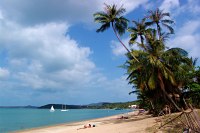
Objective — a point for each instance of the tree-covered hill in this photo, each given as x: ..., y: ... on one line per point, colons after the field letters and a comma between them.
x: 101, y: 105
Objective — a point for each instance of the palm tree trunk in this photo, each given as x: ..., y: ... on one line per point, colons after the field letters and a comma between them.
x: 123, y: 43
x: 162, y: 86
x: 185, y: 103
x: 152, y: 104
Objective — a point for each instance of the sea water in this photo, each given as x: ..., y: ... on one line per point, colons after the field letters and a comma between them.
x: 12, y: 119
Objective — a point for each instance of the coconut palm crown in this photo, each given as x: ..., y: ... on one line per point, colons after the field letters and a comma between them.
x: 157, y: 17
x: 112, y: 16
x: 139, y: 30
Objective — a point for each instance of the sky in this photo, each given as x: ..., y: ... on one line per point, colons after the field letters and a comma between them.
x: 50, y: 51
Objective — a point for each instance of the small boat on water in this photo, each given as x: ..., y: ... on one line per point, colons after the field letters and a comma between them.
x: 63, y: 109
x: 52, y: 109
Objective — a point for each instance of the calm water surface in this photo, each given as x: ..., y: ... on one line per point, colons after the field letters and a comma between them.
x: 18, y: 119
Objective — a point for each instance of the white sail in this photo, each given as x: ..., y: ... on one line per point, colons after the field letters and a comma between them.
x: 52, y: 109
x: 63, y: 109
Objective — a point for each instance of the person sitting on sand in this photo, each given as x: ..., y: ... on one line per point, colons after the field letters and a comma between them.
x: 123, y: 117
x: 141, y: 111
x: 85, y: 126
x: 167, y: 110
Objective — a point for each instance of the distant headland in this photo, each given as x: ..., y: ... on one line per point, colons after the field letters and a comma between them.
x: 100, y: 105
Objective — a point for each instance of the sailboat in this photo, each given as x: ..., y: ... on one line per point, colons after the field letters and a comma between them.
x: 52, y: 109
x: 64, y: 109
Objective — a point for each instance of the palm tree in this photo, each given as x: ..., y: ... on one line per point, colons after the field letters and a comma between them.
x: 138, y: 78
x: 138, y: 31
x: 158, y: 17
x: 113, y: 17
x: 152, y: 72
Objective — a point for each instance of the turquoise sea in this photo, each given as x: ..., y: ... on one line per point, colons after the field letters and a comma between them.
x: 12, y: 119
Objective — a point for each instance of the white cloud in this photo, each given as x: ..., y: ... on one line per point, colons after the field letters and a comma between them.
x: 42, y: 55
x: 120, y: 84
x: 41, y: 59
x: 1, y: 15
x: 118, y: 49
x: 194, y: 6
x: 188, y: 38
x: 37, y: 11
x: 4, y: 73
x: 112, y: 90
x: 190, y: 8
x: 129, y: 5
x: 167, y: 5
x: 187, y: 34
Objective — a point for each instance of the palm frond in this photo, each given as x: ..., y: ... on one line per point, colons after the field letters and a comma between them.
x: 132, y: 29
x: 194, y: 61
x: 132, y: 92
x: 135, y: 22
x: 149, y: 23
x: 119, y: 28
x: 120, y: 11
x: 166, y: 14
x: 133, y: 38
x: 103, y: 27
x: 169, y: 28
x: 151, y: 81
x: 176, y: 51
x: 167, y: 21
x: 143, y: 21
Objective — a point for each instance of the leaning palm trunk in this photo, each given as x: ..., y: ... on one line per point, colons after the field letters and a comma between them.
x: 185, y: 103
x: 165, y: 93
x: 123, y: 43
x: 151, y: 103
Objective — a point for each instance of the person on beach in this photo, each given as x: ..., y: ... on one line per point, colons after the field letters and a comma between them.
x: 86, y: 126
x: 167, y: 110
x: 141, y: 111
x: 123, y: 117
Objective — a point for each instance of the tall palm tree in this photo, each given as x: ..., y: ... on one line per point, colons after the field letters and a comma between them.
x: 159, y: 71
x: 162, y: 71
x: 138, y: 74
x: 113, y: 17
x: 152, y: 72
x: 157, y: 17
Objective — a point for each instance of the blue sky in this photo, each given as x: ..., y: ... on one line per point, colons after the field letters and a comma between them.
x: 50, y: 52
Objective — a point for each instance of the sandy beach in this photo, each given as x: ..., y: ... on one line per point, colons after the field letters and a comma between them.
x: 134, y: 124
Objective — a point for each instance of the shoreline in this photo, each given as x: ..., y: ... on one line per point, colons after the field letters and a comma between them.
x: 66, y: 124
x: 111, y: 124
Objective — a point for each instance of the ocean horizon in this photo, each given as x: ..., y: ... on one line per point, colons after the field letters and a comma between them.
x: 14, y: 119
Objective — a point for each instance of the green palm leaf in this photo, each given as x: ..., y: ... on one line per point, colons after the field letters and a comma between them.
x: 151, y: 82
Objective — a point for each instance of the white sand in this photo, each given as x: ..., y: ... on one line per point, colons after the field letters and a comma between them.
x: 134, y: 124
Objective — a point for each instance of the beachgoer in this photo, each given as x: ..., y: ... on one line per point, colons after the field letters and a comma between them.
x: 89, y: 126
x: 167, y: 109
x: 141, y: 111
x: 86, y: 126
x: 186, y: 130
x: 123, y: 117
